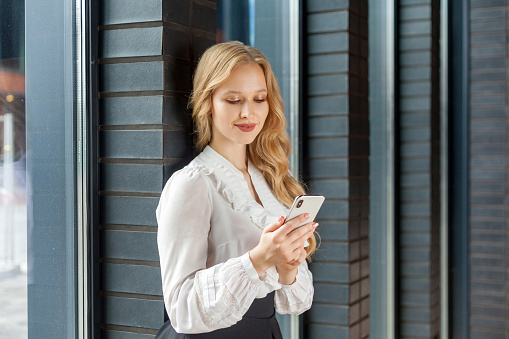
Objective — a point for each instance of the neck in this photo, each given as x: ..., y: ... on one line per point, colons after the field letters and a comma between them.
x: 236, y: 154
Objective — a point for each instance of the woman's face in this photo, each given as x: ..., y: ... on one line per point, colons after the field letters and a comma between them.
x: 239, y: 107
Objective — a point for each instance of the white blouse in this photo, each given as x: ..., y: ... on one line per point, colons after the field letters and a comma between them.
x: 208, y: 221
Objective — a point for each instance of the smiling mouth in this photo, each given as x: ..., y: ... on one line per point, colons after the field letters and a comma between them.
x: 246, y: 127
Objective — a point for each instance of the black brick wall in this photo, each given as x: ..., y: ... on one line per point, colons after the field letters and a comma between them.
x: 148, y: 51
x: 489, y: 169
x: 418, y: 118
x: 337, y: 125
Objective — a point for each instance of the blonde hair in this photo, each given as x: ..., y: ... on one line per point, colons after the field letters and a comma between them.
x: 270, y: 150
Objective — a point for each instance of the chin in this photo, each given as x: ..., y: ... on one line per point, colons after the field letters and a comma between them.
x: 246, y: 142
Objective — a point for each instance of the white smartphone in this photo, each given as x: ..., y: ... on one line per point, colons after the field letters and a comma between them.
x: 305, y: 204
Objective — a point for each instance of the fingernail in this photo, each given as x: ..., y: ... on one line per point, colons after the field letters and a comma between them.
x: 315, y: 225
x: 306, y: 215
x: 281, y: 219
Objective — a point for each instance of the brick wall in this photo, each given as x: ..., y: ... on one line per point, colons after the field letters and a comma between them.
x: 418, y: 118
x: 337, y: 150
x: 148, y: 51
x: 489, y: 169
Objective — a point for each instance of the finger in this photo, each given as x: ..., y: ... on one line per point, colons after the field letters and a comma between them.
x: 274, y: 226
x: 301, y: 256
x: 290, y: 225
x: 301, y: 234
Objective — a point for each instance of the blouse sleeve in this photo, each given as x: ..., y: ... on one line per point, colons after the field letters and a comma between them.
x: 198, y: 299
x: 297, y: 297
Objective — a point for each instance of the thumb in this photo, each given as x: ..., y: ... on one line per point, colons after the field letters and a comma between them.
x: 274, y: 226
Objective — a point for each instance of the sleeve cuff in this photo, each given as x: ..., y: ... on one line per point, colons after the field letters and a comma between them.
x: 250, y: 270
x: 298, y: 278
x: 270, y: 276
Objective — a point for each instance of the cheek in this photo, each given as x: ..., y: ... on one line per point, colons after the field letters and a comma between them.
x: 264, y: 112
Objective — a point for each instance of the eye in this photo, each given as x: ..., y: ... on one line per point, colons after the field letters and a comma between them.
x: 230, y: 101
x: 260, y: 100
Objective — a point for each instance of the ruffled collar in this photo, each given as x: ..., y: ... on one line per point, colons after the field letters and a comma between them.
x: 231, y: 185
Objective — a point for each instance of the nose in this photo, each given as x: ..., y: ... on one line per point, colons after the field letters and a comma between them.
x: 246, y: 110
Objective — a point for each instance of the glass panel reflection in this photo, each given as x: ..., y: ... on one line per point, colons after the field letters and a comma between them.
x: 13, y: 207
x: 38, y: 275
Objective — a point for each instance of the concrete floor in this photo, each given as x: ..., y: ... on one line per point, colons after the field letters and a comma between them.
x: 13, y: 309
x: 13, y: 283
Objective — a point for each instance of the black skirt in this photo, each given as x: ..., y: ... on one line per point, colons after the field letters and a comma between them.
x: 259, y: 322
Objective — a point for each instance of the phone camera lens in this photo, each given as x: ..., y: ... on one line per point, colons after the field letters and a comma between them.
x: 299, y: 204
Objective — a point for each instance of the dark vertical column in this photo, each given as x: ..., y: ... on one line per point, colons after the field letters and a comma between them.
x: 148, y: 52
x: 419, y: 169
x: 458, y: 126
x: 488, y: 129
x: 337, y: 129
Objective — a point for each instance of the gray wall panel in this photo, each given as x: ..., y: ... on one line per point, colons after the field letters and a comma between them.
x: 135, y: 279
x: 129, y: 210
x: 118, y: 43
x: 133, y: 312
x: 126, y: 245
x: 132, y: 177
x: 130, y: 11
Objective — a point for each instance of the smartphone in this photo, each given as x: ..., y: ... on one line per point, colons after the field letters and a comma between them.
x: 305, y: 204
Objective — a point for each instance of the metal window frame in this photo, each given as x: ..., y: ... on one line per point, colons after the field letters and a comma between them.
x: 444, y: 168
x: 93, y: 315
x: 294, y: 21
x: 82, y: 225
x: 382, y: 238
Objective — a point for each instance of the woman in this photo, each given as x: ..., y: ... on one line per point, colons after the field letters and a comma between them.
x: 226, y: 256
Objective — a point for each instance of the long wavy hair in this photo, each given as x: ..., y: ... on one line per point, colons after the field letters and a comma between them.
x: 270, y: 150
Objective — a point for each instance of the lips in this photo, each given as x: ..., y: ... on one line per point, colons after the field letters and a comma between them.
x: 246, y: 127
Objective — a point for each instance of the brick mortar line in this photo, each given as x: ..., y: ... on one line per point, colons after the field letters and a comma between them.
x: 130, y: 25
x: 339, y: 137
x: 206, y: 3
x: 314, y: 322
x: 335, y: 95
x: 138, y: 161
x: 129, y: 194
x: 311, y: 115
x: 149, y: 93
x: 360, y: 56
x: 131, y: 295
x: 145, y: 59
x: 336, y: 10
x: 485, y: 20
x: 129, y: 329
x: 483, y: 58
x: 128, y: 228
x: 133, y: 262
x: 158, y: 23
x: 488, y: 256
x: 144, y: 127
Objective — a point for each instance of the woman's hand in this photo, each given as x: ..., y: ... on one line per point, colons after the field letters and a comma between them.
x: 282, y: 246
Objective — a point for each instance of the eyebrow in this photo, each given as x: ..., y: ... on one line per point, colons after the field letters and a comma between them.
x: 238, y: 92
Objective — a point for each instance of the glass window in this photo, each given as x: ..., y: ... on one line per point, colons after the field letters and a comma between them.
x: 13, y: 203
x: 39, y: 166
